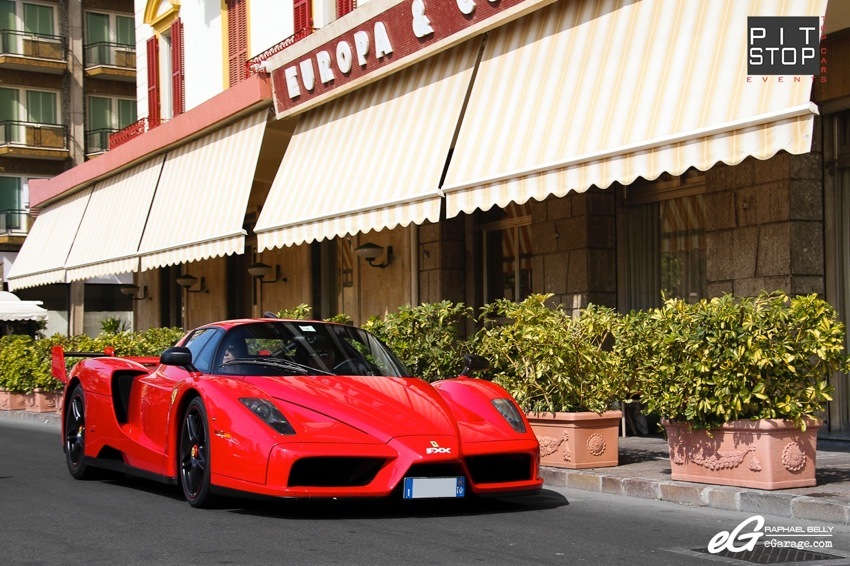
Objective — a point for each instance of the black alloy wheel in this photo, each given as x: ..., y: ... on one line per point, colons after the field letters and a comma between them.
x: 75, y: 435
x: 195, y: 455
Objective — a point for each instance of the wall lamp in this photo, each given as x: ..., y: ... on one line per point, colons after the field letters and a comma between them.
x: 259, y: 271
x: 133, y: 290
x: 370, y: 252
x: 186, y: 281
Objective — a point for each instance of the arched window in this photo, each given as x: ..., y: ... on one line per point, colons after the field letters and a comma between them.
x: 165, y: 62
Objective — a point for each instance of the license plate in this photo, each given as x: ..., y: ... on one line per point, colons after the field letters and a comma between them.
x: 425, y: 488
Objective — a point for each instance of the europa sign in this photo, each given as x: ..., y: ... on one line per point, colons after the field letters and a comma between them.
x: 382, y: 43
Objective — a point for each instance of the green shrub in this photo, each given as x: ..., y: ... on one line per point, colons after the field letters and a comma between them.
x: 426, y: 338
x: 733, y: 358
x: 301, y: 312
x: 550, y: 361
x: 25, y: 363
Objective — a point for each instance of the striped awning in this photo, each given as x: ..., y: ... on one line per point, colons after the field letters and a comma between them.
x: 591, y: 92
x: 41, y: 260
x: 108, y: 239
x: 371, y: 159
x: 203, y: 191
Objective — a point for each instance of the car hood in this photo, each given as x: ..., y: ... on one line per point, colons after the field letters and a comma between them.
x: 383, y: 407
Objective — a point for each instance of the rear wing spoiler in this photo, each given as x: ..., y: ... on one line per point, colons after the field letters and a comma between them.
x: 60, y: 370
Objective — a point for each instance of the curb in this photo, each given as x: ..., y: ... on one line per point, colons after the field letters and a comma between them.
x: 699, y: 495
x: 51, y: 418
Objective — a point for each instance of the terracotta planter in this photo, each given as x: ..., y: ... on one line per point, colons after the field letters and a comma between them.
x: 40, y: 401
x: 763, y: 454
x: 12, y: 401
x: 577, y: 440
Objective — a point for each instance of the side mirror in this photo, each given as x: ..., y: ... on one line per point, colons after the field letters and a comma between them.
x: 473, y: 363
x: 179, y: 356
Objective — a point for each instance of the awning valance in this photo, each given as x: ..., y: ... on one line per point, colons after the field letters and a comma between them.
x: 109, y: 235
x: 202, y: 195
x: 41, y: 260
x: 371, y: 159
x: 590, y: 92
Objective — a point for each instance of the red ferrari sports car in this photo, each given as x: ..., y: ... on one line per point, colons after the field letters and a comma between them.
x: 293, y: 408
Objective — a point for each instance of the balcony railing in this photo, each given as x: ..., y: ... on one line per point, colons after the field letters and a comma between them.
x: 97, y: 141
x: 14, y: 222
x: 33, y: 45
x: 33, y: 135
x: 124, y: 135
x: 252, y: 65
x: 110, y: 55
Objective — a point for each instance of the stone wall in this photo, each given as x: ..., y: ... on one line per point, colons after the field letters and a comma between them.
x: 764, y: 225
x: 574, y: 245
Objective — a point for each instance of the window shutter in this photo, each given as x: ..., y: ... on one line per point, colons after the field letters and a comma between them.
x: 178, y: 87
x: 153, y: 81
x: 237, y: 40
x: 303, y: 15
x: 344, y: 6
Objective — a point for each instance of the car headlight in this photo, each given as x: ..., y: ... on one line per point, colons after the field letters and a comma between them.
x: 511, y: 414
x: 269, y: 414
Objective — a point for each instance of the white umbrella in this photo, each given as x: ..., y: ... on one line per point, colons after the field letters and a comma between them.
x: 13, y: 308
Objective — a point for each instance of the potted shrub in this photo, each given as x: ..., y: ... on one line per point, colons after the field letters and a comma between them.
x: 16, y: 371
x: 738, y: 382
x: 561, y: 371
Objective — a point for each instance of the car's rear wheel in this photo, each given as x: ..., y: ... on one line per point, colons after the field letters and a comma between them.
x: 195, y: 455
x: 75, y: 435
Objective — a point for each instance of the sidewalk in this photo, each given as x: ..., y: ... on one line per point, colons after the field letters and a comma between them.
x: 644, y: 471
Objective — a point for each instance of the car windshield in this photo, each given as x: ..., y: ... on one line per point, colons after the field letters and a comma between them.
x: 304, y: 348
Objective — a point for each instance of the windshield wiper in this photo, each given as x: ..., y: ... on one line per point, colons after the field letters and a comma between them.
x: 278, y: 363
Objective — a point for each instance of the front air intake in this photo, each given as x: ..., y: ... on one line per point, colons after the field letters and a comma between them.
x: 334, y: 472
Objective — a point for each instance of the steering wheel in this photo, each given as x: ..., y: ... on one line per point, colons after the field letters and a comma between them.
x: 351, y: 367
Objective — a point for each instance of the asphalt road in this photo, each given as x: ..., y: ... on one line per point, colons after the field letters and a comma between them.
x: 46, y: 517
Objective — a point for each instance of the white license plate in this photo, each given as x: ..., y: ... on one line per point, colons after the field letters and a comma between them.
x: 424, y: 488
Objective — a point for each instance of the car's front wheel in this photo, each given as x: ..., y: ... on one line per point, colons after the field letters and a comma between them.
x: 195, y: 455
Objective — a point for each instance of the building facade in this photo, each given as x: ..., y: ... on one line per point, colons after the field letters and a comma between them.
x: 67, y: 81
x: 405, y: 151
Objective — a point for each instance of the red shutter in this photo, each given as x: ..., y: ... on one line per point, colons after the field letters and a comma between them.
x: 178, y: 88
x: 237, y: 40
x: 303, y: 15
x: 344, y: 6
x: 153, y: 82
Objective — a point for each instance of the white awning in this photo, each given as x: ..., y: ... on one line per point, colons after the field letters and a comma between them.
x: 12, y: 308
x: 108, y: 239
x: 371, y: 159
x: 590, y: 92
x: 200, y: 202
x: 41, y: 260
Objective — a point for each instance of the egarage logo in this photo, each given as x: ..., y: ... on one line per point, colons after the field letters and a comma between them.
x: 782, y: 45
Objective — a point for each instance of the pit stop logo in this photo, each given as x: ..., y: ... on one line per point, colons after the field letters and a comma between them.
x: 783, y: 45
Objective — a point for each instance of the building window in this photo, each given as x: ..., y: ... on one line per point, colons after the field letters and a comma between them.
x: 11, y: 207
x: 237, y: 40
x: 345, y: 6
x: 40, y: 108
x: 104, y: 117
x: 302, y: 15
x: 506, y: 253
x: 38, y: 19
x: 664, y: 240
x: 110, y: 40
x: 165, y: 61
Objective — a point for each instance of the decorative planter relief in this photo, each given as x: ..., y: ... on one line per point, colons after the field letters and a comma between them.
x: 763, y: 454
x: 577, y: 440
x: 12, y: 401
